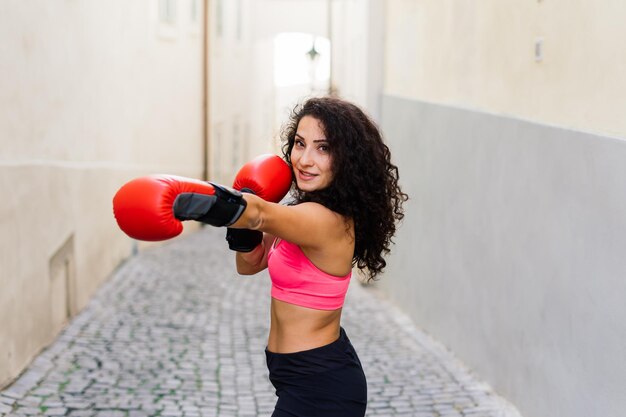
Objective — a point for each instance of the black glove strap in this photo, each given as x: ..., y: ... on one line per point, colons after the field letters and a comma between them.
x: 243, y: 240
x: 222, y: 209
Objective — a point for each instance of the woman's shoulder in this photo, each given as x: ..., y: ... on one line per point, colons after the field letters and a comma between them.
x: 318, y: 209
x: 307, y: 224
x: 337, y: 229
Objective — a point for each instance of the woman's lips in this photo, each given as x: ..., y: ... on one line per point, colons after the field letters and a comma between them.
x: 303, y: 175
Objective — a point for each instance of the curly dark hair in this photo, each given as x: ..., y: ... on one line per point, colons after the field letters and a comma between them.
x: 365, y: 182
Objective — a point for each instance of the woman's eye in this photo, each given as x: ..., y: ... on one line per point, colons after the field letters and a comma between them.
x: 324, y: 148
x: 299, y: 143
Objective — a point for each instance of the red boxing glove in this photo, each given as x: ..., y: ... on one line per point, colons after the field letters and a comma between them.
x: 267, y: 176
x: 152, y: 208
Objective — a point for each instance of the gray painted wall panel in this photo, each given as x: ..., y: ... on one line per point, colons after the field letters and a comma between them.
x: 513, y: 252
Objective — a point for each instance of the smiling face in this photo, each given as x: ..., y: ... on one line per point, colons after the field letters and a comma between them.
x: 310, y: 156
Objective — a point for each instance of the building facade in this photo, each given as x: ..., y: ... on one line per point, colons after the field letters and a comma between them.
x: 506, y: 119
x: 92, y: 94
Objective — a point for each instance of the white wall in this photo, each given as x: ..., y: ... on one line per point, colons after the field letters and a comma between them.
x: 92, y: 94
x: 358, y: 51
x: 242, y: 93
x: 481, y: 55
x: 511, y: 252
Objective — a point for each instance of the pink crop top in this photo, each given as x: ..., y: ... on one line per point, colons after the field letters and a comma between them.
x: 296, y: 280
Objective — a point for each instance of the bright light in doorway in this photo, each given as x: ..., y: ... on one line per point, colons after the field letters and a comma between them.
x: 293, y: 64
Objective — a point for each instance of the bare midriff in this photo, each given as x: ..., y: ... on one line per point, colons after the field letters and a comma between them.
x: 294, y: 328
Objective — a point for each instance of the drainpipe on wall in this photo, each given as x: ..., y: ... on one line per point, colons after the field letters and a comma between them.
x: 329, y: 29
x: 205, y: 91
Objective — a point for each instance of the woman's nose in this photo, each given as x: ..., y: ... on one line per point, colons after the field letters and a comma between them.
x: 305, y: 158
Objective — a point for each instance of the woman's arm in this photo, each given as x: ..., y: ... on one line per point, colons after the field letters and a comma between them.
x: 308, y: 225
x: 249, y: 263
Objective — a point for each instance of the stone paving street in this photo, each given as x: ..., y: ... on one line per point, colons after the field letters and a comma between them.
x: 176, y: 332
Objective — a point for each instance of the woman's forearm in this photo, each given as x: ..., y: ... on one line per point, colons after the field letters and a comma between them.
x: 249, y: 263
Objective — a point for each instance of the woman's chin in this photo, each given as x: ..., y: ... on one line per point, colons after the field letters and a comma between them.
x: 306, y: 187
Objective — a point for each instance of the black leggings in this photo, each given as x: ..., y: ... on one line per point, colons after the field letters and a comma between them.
x: 326, y: 381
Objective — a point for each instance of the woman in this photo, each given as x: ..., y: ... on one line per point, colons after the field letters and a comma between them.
x: 347, y: 203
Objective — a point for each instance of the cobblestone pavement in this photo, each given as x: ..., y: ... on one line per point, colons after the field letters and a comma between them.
x: 176, y: 332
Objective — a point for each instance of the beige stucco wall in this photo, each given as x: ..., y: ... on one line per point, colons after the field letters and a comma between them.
x: 511, y: 251
x: 230, y: 80
x: 358, y: 37
x: 243, y: 98
x: 481, y: 55
x: 92, y: 94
